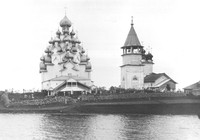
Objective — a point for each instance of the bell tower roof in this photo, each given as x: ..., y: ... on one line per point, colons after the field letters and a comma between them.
x: 132, y: 38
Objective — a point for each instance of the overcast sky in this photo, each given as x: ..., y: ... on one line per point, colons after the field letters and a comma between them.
x: 170, y: 27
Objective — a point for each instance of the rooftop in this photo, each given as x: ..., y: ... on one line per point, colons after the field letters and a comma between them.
x: 132, y: 38
x: 193, y: 86
x: 154, y: 76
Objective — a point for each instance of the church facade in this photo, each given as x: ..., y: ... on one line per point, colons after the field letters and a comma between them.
x: 137, y: 67
x: 65, y: 67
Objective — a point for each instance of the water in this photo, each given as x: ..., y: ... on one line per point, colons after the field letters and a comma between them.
x: 98, y: 127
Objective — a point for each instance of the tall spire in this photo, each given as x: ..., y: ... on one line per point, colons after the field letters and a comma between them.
x: 132, y: 38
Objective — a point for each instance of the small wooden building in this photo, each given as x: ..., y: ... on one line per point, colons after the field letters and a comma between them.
x: 194, y: 88
x: 159, y: 81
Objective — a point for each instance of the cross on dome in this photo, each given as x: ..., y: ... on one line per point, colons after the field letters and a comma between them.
x: 131, y: 20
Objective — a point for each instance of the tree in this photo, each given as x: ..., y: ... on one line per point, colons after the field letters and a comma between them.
x: 168, y: 87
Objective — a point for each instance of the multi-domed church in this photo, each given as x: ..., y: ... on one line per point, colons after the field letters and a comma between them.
x: 65, y: 67
x: 137, y: 67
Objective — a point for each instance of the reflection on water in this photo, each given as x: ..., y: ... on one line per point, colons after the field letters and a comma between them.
x: 98, y: 127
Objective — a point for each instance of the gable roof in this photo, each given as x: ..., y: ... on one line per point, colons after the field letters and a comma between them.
x: 154, y: 76
x: 193, y: 86
x: 132, y: 38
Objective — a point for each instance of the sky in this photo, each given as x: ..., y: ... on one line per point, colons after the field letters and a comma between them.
x: 169, y: 27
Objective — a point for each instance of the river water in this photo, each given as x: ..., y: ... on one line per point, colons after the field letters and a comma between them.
x: 98, y: 127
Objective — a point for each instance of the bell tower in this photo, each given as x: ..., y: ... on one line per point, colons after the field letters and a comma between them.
x: 132, y: 69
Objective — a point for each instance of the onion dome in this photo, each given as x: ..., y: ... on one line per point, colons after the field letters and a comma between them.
x: 59, y: 49
x: 73, y: 40
x: 58, y: 32
x: 43, y: 66
x: 74, y: 49
x: 81, y: 48
x: 78, y: 41
x: 87, y: 57
x: 82, y: 51
x: 67, y: 38
x: 66, y: 47
x: 51, y: 41
x: 143, y: 56
x: 149, y: 56
x: 88, y: 65
x: 65, y: 22
x: 47, y: 59
x: 42, y: 58
x: 72, y: 33
x: 47, y: 50
x: 83, y: 58
x: 68, y: 56
x: 56, y: 39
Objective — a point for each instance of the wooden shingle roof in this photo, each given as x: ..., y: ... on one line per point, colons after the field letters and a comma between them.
x: 154, y: 76
x: 132, y: 38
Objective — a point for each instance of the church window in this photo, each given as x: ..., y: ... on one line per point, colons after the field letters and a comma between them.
x: 123, y: 79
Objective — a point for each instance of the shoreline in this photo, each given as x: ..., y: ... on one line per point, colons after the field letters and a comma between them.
x: 159, y: 107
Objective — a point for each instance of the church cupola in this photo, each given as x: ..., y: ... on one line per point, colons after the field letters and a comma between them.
x: 74, y: 49
x: 47, y: 59
x: 58, y: 32
x: 77, y: 40
x: 87, y: 57
x: 43, y: 67
x: 65, y: 22
x: 149, y: 57
x: 59, y: 49
x: 72, y: 33
x: 83, y: 58
x: 82, y: 50
x: 48, y: 51
x: 42, y: 58
x: 67, y: 38
x: 88, y: 66
x: 51, y: 41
